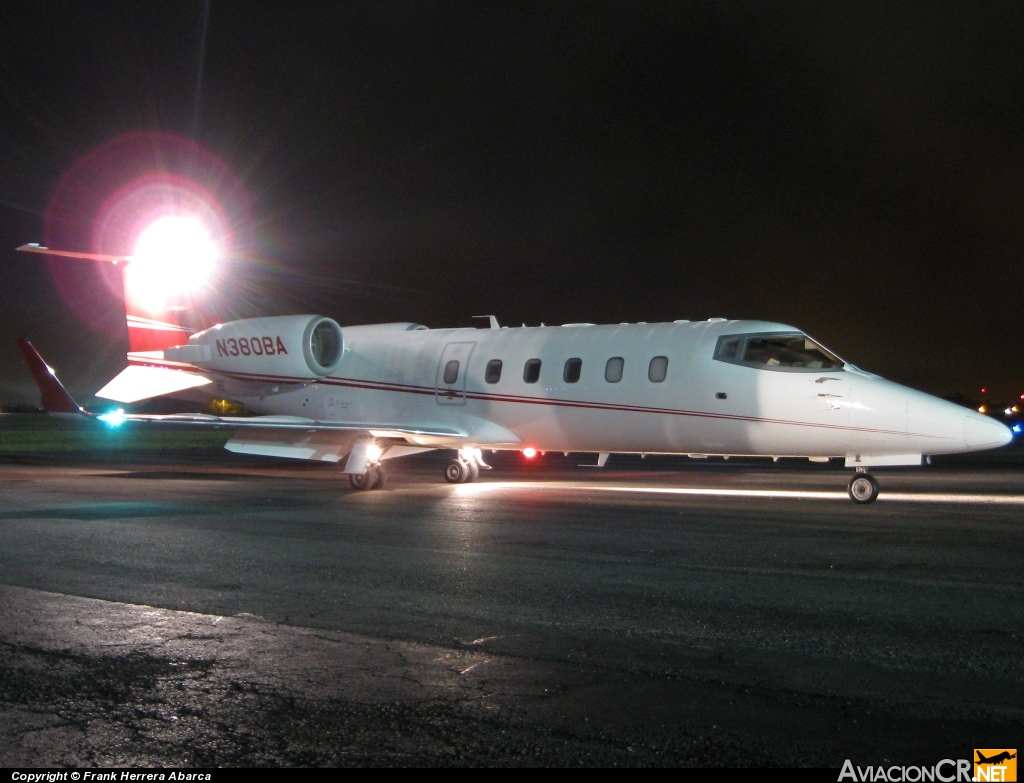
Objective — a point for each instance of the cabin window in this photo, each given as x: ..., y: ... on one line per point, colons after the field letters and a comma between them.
x: 657, y: 369
x: 493, y: 372
x: 571, y: 371
x: 451, y: 372
x: 531, y: 370
x: 613, y: 369
x: 785, y: 352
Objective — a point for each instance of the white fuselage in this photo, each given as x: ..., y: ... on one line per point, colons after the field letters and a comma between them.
x: 703, y: 406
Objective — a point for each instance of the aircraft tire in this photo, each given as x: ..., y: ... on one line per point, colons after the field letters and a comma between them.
x: 474, y: 472
x: 379, y: 476
x: 456, y: 472
x: 361, y: 481
x: 863, y: 488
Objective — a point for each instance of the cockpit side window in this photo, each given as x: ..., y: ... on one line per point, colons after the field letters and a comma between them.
x: 785, y: 352
x: 727, y: 348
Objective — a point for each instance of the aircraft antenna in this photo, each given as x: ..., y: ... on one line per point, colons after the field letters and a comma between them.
x: 493, y: 319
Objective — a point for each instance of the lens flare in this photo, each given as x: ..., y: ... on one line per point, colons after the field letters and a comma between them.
x: 174, y: 255
x: 153, y: 194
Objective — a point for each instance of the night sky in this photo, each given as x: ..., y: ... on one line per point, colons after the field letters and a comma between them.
x: 853, y: 169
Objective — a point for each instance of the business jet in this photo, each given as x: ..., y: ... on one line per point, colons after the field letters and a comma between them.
x: 362, y: 395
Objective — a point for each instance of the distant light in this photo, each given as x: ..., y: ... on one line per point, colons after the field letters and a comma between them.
x: 1008, y: 412
x: 982, y: 409
x: 984, y: 390
x: 1017, y: 429
x: 1015, y: 409
x: 529, y: 453
x: 114, y: 418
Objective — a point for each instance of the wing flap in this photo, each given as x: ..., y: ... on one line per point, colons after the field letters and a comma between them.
x: 318, y: 445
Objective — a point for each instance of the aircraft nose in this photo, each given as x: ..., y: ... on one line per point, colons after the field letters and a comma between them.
x: 981, y: 432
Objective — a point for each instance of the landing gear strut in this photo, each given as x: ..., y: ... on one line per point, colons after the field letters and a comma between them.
x: 863, y: 488
x: 373, y: 478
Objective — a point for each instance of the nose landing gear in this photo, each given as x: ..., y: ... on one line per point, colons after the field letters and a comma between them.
x: 863, y: 488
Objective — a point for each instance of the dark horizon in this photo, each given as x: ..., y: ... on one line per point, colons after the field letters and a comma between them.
x: 855, y: 171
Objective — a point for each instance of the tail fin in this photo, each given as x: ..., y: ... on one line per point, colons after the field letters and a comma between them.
x: 56, y: 400
x: 149, y: 334
x: 147, y: 330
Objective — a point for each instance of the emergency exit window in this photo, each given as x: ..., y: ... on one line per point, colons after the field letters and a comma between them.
x: 451, y: 371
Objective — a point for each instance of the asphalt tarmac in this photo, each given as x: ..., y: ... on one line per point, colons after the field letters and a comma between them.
x: 238, y: 611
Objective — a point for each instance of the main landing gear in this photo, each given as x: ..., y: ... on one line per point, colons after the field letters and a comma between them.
x: 863, y: 488
x: 459, y: 472
x: 465, y: 469
x: 373, y: 478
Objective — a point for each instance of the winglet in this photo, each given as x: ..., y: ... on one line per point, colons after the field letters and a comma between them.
x: 56, y: 400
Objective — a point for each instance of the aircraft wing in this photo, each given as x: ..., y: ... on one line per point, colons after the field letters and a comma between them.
x: 295, y: 423
x: 57, y: 401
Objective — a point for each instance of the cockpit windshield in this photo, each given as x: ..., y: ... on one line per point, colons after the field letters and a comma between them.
x: 786, y: 352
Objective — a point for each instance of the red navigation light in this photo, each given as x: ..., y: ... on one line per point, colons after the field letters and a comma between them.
x: 984, y: 390
x: 529, y: 453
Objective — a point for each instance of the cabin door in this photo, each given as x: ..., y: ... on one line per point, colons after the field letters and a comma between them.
x: 451, y: 373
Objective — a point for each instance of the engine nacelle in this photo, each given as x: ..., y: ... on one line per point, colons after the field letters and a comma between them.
x: 284, y: 347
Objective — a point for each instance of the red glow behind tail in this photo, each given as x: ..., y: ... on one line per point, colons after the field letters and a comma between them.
x: 147, y: 334
x: 150, y: 328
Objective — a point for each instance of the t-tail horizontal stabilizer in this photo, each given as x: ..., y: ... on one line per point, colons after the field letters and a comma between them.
x: 138, y: 382
x: 56, y: 400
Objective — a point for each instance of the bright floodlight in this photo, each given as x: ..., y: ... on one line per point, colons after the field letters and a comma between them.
x: 173, y: 255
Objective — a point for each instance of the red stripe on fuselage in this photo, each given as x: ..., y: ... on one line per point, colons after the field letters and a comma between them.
x: 401, y: 388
